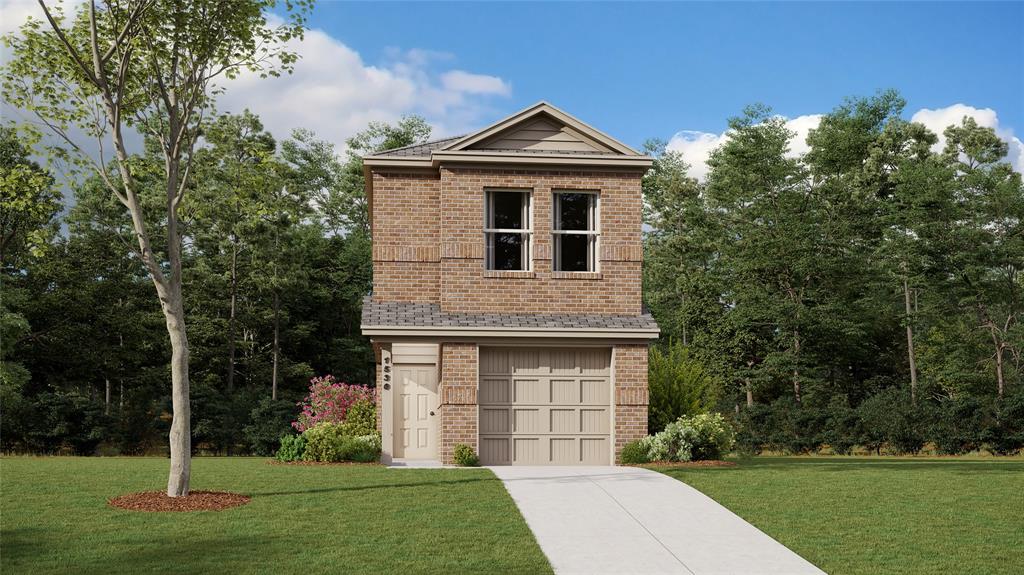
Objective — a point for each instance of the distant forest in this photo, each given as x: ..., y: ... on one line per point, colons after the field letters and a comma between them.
x: 876, y: 267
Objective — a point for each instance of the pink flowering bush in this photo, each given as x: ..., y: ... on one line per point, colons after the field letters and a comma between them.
x: 329, y: 401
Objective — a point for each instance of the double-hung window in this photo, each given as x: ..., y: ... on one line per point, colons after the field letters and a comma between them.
x: 575, y: 231
x: 507, y: 230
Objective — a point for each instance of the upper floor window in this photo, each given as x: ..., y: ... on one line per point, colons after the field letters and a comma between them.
x: 507, y: 230
x: 575, y: 231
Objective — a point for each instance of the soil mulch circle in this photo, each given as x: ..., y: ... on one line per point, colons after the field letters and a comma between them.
x: 194, y: 501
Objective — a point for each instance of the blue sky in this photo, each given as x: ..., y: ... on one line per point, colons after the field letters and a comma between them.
x: 651, y: 69
x: 676, y: 71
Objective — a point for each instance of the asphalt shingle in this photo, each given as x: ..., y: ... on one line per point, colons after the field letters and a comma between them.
x: 402, y: 314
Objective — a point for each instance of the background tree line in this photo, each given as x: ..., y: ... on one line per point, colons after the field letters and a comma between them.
x: 276, y: 261
x: 870, y: 273
x: 865, y: 293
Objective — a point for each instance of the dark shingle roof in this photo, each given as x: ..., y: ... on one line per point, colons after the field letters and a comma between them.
x: 401, y: 314
x: 418, y: 150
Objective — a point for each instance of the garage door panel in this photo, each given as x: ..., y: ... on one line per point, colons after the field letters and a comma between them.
x: 526, y: 450
x: 564, y: 450
x: 528, y: 391
x: 527, y: 421
x: 594, y: 391
x: 495, y: 451
x: 565, y: 391
x: 494, y: 390
x: 494, y: 420
x: 549, y: 406
x: 564, y: 421
x: 594, y: 450
x: 524, y: 361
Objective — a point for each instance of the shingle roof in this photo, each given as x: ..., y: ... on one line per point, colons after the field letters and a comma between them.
x: 419, y: 150
x: 401, y: 314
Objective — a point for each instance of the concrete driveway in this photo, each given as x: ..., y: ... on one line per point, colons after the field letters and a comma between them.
x: 592, y: 520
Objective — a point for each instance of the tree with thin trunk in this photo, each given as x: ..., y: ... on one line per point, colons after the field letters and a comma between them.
x: 142, y: 65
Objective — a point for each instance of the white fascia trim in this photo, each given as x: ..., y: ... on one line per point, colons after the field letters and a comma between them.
x: 581, y: 332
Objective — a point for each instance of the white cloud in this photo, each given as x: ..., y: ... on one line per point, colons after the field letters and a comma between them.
x: 335, y: 93
x: 696, y: 147
x: 939, y: 119
x: 460, y: 81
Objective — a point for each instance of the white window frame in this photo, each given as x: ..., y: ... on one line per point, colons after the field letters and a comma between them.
x: 526, y: 232
x: 594, y: 231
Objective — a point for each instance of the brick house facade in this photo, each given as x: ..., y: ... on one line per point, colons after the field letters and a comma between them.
x: 506, y: 308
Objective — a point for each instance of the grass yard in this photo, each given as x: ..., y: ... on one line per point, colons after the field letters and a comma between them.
x: 859, y: 515
x: 54, y: 518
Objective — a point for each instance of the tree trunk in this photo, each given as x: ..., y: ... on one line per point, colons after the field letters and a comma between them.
x: 106, y: 405
x: 910, y: 342
x: 750, y: 393
x: 277, y: 331
x: 231, y: 318
x: 180, y: 436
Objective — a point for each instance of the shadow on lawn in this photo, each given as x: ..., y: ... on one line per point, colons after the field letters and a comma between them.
x: 375, y: 486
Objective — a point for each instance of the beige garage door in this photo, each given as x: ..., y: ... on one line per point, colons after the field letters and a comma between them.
x: 545, y: 406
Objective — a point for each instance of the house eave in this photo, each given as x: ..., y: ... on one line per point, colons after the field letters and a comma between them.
x: 508, y: 332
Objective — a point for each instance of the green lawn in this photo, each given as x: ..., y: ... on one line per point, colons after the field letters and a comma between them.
x: 853, y: 515
x: 54, y: 518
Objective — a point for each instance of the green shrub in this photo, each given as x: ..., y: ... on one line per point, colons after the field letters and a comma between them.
x: 361, y: 418
x: 330, y: 442
x: 958, y: 426
x: 464, y: 456
x: 270, y: 420
x: 754, y: 425
x: 711, y: 436
x: 842, y: 426
x: 292, y: 448
x: 362, y: 448
x: 679, y: 385
x: 889, y: 418
x: 634, y: 453
x: 1004, y: 433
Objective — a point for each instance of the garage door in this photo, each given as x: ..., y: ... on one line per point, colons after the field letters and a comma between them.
x: 545, y: 406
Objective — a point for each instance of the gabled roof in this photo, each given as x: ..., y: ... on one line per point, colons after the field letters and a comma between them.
x: 540, y: 134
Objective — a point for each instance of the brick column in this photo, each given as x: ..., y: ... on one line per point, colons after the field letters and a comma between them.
x: 458, y: 397
x: 631, y: 397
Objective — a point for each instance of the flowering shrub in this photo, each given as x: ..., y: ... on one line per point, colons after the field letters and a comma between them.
x: 693, y: 438
x: 329, y: 401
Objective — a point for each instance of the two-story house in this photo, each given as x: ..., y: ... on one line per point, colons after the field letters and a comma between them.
x: 506, y: 308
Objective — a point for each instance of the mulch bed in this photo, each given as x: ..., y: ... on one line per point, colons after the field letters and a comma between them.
x: 360, y: 463
x: 194, y: 501
x: 684, y: 464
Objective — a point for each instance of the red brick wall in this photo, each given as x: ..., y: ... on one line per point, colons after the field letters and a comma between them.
x: 630, y: 374
x: 429, y: 244
x: 406, y: 229
x: 458, y: 397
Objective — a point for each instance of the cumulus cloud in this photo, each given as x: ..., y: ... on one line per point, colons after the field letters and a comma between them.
x: 334, y: 92
x: 939, y: 119
x: 696, y: 147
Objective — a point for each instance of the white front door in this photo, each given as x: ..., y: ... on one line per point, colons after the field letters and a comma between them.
x: 416, y: 419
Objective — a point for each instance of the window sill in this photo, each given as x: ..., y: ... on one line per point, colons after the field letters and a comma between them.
x: 576, y: 275
x: 509, y: 274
